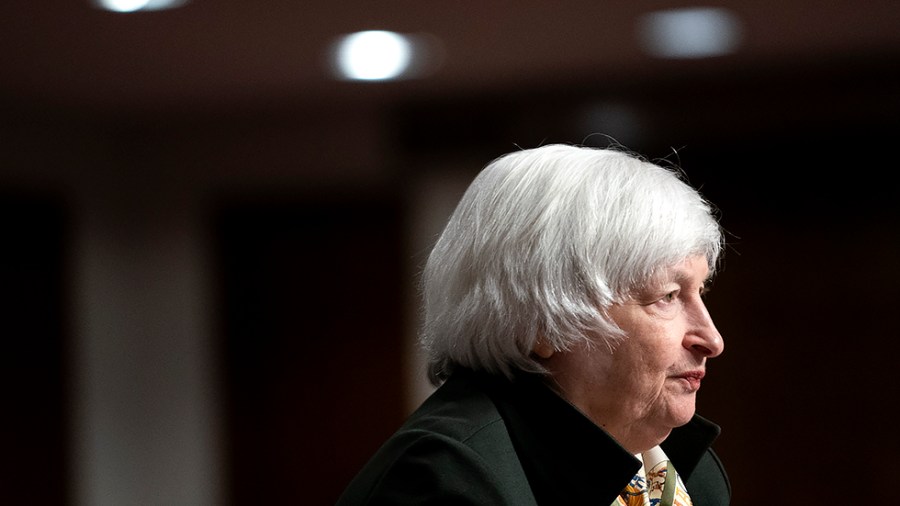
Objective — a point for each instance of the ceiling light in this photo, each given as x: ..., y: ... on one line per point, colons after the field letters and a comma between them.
x: 697, y: 32
x: 374, y: 55
x: 138, y: 5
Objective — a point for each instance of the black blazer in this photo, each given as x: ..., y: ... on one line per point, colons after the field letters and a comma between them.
x: 481, y: 439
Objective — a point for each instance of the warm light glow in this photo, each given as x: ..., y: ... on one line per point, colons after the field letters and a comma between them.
x: 373, y: 55
x: 698, y: 32
x: 137, y: 5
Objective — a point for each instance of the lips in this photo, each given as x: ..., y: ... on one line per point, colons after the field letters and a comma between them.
x: 692, y: 378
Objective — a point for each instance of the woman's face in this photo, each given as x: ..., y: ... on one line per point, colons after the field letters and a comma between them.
x: 648, y: 385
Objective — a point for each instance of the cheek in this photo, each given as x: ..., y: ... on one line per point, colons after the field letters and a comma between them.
x: 650, y: 350
x: 659, y: 352
x: 636, y: 366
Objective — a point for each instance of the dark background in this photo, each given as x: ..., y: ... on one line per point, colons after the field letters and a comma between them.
x: 216, y: 126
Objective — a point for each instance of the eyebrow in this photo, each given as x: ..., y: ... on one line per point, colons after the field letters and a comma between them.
x: 682, y: 276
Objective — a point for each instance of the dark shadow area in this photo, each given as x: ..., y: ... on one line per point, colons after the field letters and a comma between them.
x: 34, y: 425
x: 313, y: 325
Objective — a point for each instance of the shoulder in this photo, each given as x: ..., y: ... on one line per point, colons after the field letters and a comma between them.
x: 709, y: 485
x: 419, y: 467
x: 455, y: 449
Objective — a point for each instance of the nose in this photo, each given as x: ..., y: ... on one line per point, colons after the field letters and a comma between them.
x: 702, y: 335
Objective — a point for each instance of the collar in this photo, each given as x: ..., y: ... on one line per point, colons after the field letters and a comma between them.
x: 567, y: 458
x: 687, y: 444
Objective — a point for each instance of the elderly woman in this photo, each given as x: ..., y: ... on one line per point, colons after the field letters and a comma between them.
x: 566, y: 329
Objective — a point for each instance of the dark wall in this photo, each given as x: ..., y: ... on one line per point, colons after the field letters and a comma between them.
x: 804, y: 300
x: 313, y: 326
x: 33, y: 427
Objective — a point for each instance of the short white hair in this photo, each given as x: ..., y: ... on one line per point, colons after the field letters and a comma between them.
x: 542, y: 242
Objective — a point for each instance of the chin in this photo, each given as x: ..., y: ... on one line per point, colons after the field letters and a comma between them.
x: 679, y: 421
x: 681, y: 415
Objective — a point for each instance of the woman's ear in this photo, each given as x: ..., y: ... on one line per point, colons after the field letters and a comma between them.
x: 543, y: 349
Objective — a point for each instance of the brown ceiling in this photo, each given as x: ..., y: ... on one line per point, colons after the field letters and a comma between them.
x: 218, y: 52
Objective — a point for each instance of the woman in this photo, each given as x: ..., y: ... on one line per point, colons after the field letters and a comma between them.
x: 565, y: 326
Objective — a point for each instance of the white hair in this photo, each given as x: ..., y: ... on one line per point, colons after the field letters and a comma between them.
x: 542, y: 242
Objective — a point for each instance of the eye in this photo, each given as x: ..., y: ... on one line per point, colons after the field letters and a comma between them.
x: 669, y: 298
x: 664, y: 302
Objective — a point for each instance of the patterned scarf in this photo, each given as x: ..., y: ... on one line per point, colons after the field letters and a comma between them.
x: 661, y: 486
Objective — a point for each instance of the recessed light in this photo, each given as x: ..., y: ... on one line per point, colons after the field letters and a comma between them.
x: 373, y: 55
x: 138, y: 5
x: 696, y: 32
